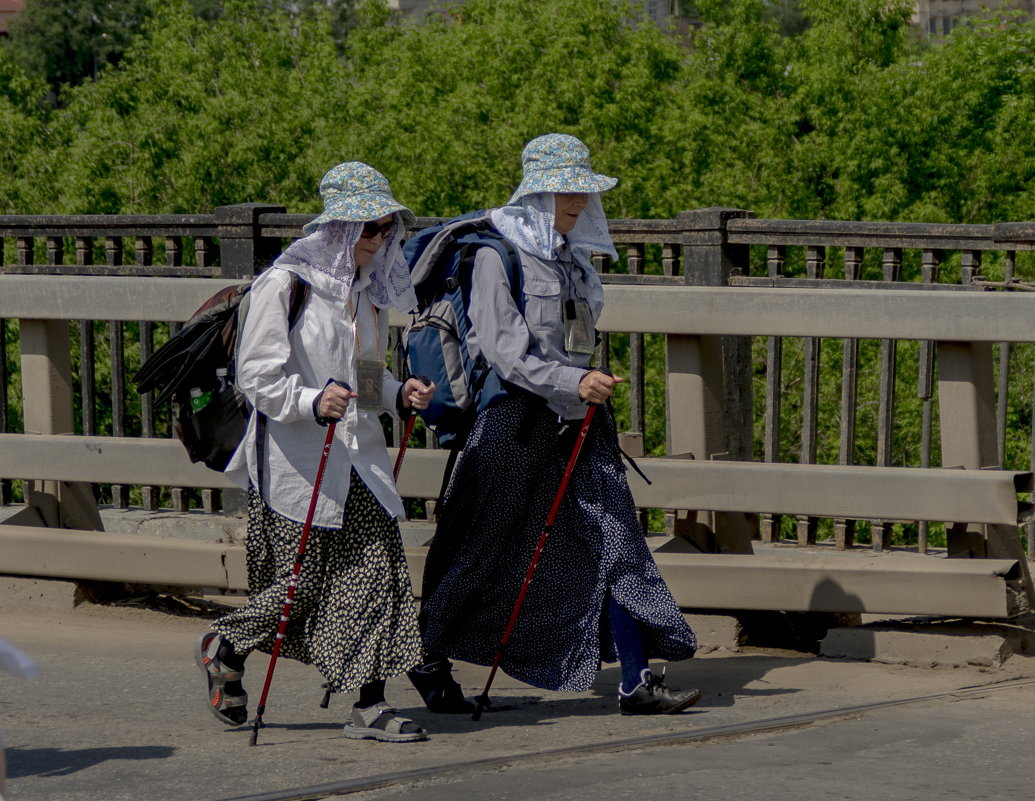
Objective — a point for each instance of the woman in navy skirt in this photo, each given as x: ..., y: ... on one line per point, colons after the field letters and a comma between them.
x: 597, y: 593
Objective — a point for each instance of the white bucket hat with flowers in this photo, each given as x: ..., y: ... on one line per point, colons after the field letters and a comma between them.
x: 355, y: 193
x: 555, y: 163
x: 558, y: 163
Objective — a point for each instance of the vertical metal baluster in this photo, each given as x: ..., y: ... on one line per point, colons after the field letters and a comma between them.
x: 55, y: 250
x: 209, y: 501
x: 637, y: 412
x: 602, y: 264
x: 844, y: 530
x: 145, y: 258
x: 5, y: 483
x: 26, y: 251
x: 1004, y: 375
x: 178, y: 495
x: 174, y: 258
x: 929, y: 272
x: 670, y: 266
x: 891, y: 265
x: 204, y: 253
x: 87, y: 351
x: 174, y: 251
x: 815, y: 265
x: 770, y: 524
x: 116, y: 344
x: 670, y: 259
x: 150, y: 494
x: 970, y: 266
x: 1030, y: 527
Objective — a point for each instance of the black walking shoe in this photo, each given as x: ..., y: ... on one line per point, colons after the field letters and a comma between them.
x: 439, y: 690
x: 653, y: 697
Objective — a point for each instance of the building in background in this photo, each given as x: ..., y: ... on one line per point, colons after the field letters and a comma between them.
x: 938, y: 17
x: 9, y: 9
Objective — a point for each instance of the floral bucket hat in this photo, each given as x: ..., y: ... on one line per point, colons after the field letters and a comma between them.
x: 356, y: 192
x: 558, y: 163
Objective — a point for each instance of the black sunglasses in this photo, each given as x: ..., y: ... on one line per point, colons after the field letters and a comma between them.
x: 372, y: 229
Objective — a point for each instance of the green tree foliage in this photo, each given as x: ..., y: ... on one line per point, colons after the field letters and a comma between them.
x: 812, y: 109
x: 188, y: 120
x: 68, y: 41
x: 851, y: 118
x: 449, y: 103
x: 21, y: 129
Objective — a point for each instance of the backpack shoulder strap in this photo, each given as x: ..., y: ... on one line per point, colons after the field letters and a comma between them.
x: 299, y: 294
x: 490, y: 238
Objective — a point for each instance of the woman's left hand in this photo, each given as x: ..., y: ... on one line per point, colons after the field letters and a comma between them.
x: 416, y: 395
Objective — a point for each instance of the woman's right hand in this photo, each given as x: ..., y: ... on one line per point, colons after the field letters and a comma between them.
x: 334, y: 401
x: 597, y: 387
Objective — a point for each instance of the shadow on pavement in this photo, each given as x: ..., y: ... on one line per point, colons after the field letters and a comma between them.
x: 23, y: 762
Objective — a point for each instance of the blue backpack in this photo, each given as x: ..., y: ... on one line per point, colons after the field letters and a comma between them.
x: 441, y: 260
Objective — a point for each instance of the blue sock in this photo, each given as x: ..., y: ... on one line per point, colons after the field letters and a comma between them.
x: 628, y: 643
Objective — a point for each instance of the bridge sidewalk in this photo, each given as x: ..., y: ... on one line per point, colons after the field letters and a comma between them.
x: 118, y: 710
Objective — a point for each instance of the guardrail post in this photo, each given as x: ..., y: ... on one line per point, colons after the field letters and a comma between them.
x: 967, y: 405
x: 243, y: 253
x: 709, y: 410
x: 47, y: 404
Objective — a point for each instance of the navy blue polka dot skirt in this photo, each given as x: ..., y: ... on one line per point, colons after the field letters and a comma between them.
x: 489, y: 523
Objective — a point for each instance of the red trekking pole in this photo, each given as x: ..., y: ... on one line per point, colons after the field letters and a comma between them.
x: 296, y: 568
x: 483, y: 699
x: 404, y: 443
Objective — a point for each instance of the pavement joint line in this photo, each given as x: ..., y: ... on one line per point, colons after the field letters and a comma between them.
x: 784, y: 723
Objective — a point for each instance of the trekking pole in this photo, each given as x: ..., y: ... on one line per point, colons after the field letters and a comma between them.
x: 295, y: 569
x: 406, y: 434
x: 483, y: 699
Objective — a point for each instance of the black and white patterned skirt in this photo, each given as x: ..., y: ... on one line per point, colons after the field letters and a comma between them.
x: 489, y: 524
x: 353, y: 615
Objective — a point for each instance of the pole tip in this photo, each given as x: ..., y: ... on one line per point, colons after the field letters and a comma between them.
x: 481, y: 703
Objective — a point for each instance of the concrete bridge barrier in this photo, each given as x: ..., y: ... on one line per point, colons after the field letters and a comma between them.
x: 720, y: 292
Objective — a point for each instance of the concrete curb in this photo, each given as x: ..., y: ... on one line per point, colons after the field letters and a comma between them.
x: 32, y: 593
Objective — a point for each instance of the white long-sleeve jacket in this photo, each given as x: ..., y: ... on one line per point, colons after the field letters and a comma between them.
x: 281, y: 372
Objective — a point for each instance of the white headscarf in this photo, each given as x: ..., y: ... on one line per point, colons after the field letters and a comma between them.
x: 529, y: 225
x: 329, y: 249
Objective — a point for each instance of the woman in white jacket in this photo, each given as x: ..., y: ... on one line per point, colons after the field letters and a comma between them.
x: 353, y: 615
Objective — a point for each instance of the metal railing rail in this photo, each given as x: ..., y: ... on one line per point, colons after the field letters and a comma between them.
x: 804, y: 292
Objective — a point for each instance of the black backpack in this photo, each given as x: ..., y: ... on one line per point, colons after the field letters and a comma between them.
x: 212, y: 424
x: 436, y: 338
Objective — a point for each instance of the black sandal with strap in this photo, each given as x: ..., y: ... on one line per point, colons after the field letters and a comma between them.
x: 230, y: 709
